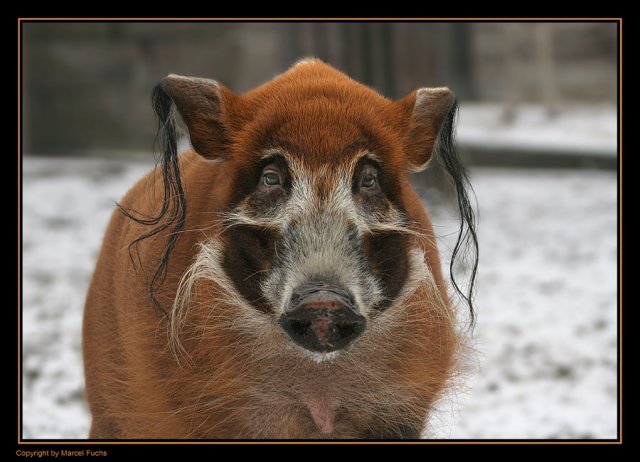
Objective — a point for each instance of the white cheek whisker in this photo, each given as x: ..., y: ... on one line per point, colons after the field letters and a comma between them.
x: 392, y: 228
x: 237, y: 218
x: 207, y: 266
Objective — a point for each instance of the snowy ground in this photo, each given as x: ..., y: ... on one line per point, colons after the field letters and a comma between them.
x: 583, y: 130
x: 546, y: 299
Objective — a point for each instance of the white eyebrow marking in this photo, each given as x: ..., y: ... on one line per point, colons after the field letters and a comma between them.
x: 369, y: 154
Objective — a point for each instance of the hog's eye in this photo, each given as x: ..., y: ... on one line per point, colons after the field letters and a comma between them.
x: 271, y: 178
x: 368, y: 181
x: 365, y: 179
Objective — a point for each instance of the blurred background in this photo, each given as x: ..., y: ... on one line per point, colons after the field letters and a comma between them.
x: 87, y: 85
x: 537, y: 127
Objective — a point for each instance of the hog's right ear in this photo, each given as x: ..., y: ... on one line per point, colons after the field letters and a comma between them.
x: 429, y: 114
x: 202, y: 104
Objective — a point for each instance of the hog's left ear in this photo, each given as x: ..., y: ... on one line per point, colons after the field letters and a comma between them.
x: 428, y: 114
x: 203, y: 104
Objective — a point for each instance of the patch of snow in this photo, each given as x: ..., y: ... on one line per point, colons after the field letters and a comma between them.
x: 589, y: 130
x: 546, y: 302
x: 66, y: 206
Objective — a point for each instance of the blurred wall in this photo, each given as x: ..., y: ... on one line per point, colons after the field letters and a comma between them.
x: 86, y: 86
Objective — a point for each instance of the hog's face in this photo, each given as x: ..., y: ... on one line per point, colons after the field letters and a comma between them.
x: 321, y: 242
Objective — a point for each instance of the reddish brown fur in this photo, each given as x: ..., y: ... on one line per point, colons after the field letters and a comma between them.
x: 237, y: 383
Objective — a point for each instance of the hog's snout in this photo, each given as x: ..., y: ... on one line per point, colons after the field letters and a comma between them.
x: 322, y: 317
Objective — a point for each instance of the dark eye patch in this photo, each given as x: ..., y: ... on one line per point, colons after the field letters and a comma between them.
x: 272, y: 183
x: 387, y: 189
x: 365, y: 177
x: 277, y: 165
x: 367, y: 184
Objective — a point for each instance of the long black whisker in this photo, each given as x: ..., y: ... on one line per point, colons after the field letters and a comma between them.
x: 173, y: 210
x: 467, y: 240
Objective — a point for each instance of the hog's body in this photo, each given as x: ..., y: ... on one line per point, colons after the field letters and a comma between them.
x: 304, y: 296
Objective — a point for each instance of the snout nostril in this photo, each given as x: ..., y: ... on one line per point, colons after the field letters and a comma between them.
x: 298, y: 327
x: 346, y: 329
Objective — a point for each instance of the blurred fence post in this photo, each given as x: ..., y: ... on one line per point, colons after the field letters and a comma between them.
x: 461, y: 61
x: 543, y: 38
x: 513, y: 71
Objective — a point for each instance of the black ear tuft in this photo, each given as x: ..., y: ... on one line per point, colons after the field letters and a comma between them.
x: 467, y: 241
x: 173, y: 210
x: 204, y: 106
